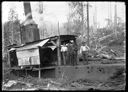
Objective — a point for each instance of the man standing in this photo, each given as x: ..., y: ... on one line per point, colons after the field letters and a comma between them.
x: 84, y: 50
x: 70, y: 50
x: 74, y: 46
x: 72, y: 53
x: 64, y: 50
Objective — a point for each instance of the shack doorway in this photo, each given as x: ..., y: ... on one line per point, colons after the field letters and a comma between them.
x: 13, y: 58
x: 48, y: 57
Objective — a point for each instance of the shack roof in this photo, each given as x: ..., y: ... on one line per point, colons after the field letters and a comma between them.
x: 33, y: 45
x: 62, y: 38
x: 42, y: 42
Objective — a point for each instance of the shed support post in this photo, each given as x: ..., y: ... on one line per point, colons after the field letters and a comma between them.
x: 9, y: 62
x: 39, y: 73
x: 58, y: 52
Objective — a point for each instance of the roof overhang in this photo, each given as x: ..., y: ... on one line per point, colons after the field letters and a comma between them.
x: 33, y: 45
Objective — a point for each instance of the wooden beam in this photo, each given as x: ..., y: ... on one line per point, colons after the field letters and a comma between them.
x: 50, y: 67
x: 39, y: 73
x: 58, y: 47
x: 9, y: 62
x: 58, y: 52
x: 53, y: 43
x: 39, y: 65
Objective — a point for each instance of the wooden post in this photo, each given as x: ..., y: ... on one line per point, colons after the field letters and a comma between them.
x: 58, y: 47
x: 58, y: 52
x: 9, y: 62
x: 39, y: 73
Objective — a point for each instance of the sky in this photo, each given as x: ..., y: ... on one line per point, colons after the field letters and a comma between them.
x: 58, y: 11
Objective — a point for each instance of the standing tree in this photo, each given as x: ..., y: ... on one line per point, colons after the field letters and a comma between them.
x: 77, y: 17
x: 12, y: 17
x: 11, y: 30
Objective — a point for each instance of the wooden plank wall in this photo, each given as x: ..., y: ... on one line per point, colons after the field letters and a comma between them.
x: 28, y: 57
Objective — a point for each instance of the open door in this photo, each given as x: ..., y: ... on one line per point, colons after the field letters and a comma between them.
x: 13, y: 58
x: 48, y: 57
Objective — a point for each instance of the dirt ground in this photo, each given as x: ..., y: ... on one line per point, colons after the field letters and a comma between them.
x: 117, y: 82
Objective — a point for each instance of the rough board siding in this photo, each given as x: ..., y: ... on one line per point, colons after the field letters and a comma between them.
x: 34, y: 60
x: 28, y: 57
x: 23, y: 61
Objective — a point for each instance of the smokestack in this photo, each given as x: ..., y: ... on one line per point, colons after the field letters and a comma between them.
x: 29, y: 30
x: 27, y: 10
x: 28, y: 14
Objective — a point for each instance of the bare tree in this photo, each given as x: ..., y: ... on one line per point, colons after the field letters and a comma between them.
x: 11, y: 29
x: 77, y: 16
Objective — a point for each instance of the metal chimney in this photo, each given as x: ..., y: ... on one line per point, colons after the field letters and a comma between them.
x: 29, y: 29
x: 27, y: 9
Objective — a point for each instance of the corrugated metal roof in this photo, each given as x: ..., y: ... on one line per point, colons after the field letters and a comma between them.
x: 33, y: 45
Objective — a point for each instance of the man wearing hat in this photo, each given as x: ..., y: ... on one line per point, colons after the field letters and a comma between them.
x: 84, y: 50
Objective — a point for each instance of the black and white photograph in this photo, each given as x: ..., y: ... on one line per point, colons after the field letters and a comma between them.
x: 63, y: 45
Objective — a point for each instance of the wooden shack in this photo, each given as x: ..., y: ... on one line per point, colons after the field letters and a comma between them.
x: 39, y: 55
